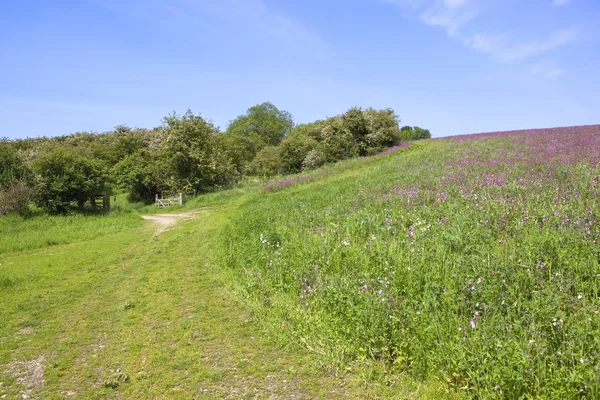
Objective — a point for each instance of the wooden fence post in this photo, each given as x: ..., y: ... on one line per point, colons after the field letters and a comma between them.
x: 106, y: 201
x: 180, y: 198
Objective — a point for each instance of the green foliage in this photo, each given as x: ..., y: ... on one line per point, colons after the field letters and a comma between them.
x: 420, y: 133
x: 313, y: 160
x: 187, y: 153
x: 241, y: 149
x: 382, y: 129
x: 191, y: 155
x: 64, y: 176
x: 338, y: 143
x: 268, y: 162
x: 409, y: 133
x: 142, y: 175
x: 263, y: 121
x: 293, y: 151
x: 12, y: 166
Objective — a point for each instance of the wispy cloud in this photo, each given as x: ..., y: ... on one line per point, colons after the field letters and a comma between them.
x: 503, y: 47
x: 448, y: 16
x: 205, y: 18
x: 456, y: 17
x: 547, y: 70
x: 560, y: 2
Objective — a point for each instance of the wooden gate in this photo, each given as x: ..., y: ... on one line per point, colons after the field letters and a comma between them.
x: 167, y: 202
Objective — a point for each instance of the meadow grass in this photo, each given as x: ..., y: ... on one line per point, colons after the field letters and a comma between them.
x: 21, y: 234
x: 463, y: 267
x: 473, y: 261
x: 132, y: 314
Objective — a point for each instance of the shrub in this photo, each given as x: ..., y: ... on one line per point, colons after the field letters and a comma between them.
x: 293, y: 151
x: 15, y: 197
x: 63, y: 176
x: 338, y: 143
x: 268, y: 162
x: 191, y: 154
x: 265, y: 121
x: 314, y: 159
x: 382, y: 128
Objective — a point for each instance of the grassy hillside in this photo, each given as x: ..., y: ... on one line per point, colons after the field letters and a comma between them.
x: 461, y: 267
x: 473, y: 259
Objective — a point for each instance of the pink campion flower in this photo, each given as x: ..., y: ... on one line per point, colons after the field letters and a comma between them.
x: 472, y: 323
x: 411, y: 231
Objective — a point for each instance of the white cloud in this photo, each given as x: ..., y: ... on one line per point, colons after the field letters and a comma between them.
x: 501, y: 48
x: 523, y: 50
x: 456, y: 3
x: 453, y: 16
x: 547, y: 70
x: 446, y: 17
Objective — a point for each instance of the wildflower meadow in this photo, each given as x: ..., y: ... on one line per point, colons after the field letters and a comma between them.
x: 471, y: 260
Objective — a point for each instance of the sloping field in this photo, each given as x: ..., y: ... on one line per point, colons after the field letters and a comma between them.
x: 459, y: 267
x: 473, y: 260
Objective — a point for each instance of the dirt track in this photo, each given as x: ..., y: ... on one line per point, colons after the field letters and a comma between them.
x: 165, y: 222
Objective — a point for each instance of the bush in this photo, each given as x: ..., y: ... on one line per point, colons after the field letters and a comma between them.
x: 338, y: 143
x: 293, y: 151
x: 141, y: 174
x: 191, y: 154
x: 382, y: 128
x: 241, y: 149
x: 414, y: 133
x: 265, y: 121
x: 15, y: 197
x: 268, y: 162
x: 314, y: 159
x: 64, y: 176
x: 11, y: 165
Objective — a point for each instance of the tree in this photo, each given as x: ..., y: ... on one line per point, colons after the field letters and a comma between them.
x: 241, y: 150
x: 142, y: 175
x: 355, y: 124
x: 414, y: 133
x: 382, y: 129
x: 337, y: 143
x: 265, y: 122
x: 420, y: 133
x: 293, y: 151
x: 63, y: 176
x: 268, y: 161
x: 12, y: 166
x: 406, y: 133
x: 192, y: 156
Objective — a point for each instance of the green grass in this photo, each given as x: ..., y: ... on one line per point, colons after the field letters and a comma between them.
x: 19, y: 234
x: 473, y: 262
x: 130, y: 314
x: 461, y: 268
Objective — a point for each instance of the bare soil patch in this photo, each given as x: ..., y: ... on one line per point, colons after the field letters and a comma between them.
x: 29, y: 374
x: 165, y: 222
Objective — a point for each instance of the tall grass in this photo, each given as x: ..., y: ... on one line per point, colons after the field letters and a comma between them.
x: 474, y: 260
x: 21, y: 234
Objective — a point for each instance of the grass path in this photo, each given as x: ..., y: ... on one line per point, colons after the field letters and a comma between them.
x: 138, y: 315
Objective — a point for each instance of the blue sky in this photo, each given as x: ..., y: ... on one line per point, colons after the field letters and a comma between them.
x: 453, y: 66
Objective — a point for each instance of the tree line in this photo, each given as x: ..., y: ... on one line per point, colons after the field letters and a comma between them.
x: 186, y: 153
